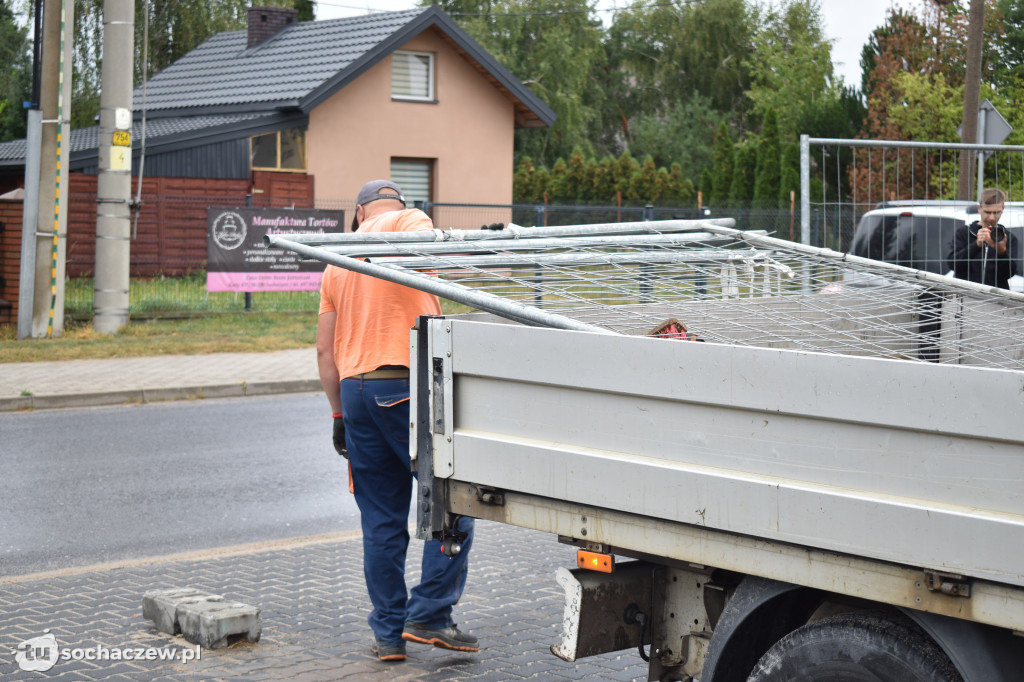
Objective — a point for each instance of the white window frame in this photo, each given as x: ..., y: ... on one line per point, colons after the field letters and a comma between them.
x: 430, y: 76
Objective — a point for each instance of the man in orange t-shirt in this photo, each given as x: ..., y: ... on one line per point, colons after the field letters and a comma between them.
x: 362, y: 346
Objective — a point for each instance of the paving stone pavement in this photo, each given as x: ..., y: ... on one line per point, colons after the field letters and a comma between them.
x: 314, y: 608
x: 311, y: 593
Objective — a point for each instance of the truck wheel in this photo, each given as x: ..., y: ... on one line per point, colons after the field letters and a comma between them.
x: 856, y: 647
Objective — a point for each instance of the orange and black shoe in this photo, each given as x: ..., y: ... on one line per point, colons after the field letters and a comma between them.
x: 444, y: 638
x: 388, y: 652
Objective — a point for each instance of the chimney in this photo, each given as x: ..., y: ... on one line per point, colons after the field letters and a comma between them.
x: 264, y: 22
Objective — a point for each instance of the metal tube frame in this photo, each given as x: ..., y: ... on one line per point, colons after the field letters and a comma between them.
x: 449, y: 290
x: 510, y: 232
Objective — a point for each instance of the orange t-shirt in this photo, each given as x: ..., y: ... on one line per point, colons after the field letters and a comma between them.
x: 375, y: 316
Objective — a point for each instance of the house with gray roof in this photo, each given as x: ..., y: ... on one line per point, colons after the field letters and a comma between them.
x: 407, y: 95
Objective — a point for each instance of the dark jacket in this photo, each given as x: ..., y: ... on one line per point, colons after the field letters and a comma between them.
x: 981, y: 264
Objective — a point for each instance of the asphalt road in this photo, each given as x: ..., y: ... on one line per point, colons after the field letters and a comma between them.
x: 82, y: 486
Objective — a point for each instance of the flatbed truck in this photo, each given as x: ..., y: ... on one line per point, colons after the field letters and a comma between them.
x: 756, y: 510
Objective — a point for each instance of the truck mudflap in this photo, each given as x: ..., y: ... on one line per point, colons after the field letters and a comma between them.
x: 595, y: 610
x: 649, y: 607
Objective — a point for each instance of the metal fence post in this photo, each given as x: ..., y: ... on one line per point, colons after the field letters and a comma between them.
x: 248, y: 294
x: 805, y: 189
x: 539, y: 221
x: 646, y: 270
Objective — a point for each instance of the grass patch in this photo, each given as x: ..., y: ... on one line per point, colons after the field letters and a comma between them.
x: 185, y: 294
x: 253, y: 332
x: 224, y: 333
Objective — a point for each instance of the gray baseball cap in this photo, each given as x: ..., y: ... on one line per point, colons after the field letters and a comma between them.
x: 371, y: 192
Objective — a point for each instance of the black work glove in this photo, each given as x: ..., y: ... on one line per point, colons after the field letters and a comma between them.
x: 339, y: 436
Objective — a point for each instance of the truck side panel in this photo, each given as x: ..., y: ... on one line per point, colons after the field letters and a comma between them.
x: 896, y: 461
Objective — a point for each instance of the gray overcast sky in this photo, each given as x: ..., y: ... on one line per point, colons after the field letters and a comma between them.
x: 847, y: 22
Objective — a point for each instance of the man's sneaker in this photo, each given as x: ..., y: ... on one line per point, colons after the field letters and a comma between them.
x: 444, y: 638
x: 388, y: 652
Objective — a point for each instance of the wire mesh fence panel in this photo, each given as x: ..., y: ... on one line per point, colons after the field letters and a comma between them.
x: 841, y: 180
x: 702, y: 279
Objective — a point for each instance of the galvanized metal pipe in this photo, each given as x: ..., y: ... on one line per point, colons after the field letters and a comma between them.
x: 917, y: 145
x: 501, y: 261
x: 805, y: 190
x: 512, y: 245
x: 512, y: 232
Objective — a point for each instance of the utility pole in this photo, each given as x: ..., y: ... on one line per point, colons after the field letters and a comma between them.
x: 114, y: 184
x: 972, y: 96
x: 30, y: 206
x: 44, y: 230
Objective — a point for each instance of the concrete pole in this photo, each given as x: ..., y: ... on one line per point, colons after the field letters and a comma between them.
x: 114, y: 184
x: 972, y: 97
x: 51, y: 215
x: 29, y: 223
x: 30, y: 212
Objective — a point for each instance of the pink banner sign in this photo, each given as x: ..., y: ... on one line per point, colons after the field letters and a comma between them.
x: 263, y: 281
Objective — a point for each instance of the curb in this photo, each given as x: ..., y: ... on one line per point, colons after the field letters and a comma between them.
x: 152, y: 395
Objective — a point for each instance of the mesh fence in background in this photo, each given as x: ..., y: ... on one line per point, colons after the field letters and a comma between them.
x: 846, y: 178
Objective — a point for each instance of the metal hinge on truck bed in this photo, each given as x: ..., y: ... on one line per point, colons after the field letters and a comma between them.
x: 947, y: 583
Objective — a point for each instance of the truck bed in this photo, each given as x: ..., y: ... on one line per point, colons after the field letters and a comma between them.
x: 854, y: 474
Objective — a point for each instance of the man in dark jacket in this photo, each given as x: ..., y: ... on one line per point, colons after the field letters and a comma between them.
x: 984, y: 251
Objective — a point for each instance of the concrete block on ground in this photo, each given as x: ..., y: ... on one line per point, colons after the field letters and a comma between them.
x: 214, y: 625
x: 160, y: 606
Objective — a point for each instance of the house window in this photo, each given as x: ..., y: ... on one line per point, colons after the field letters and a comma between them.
x: 412, y: 75
x: 414, y: 177
x: 281, y: 150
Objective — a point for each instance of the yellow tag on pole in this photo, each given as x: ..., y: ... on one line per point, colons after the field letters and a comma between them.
x: 122, y: 138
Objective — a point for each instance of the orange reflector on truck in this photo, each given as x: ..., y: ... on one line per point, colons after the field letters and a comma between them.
x: 595, y: 561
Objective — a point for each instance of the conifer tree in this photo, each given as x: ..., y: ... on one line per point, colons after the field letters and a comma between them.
x: 766, y: 177
x: 524, y: 182
x: 707, y: 184
x: 721, y: 174
x: 789, y: 173
x: 741, y: 189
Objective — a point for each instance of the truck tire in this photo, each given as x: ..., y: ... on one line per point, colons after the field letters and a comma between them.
x: 856, y: 647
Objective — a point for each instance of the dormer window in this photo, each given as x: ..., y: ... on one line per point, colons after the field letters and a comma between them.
x: 412, y: 76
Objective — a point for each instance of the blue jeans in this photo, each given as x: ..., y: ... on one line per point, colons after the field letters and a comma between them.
x: 377, y: 435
